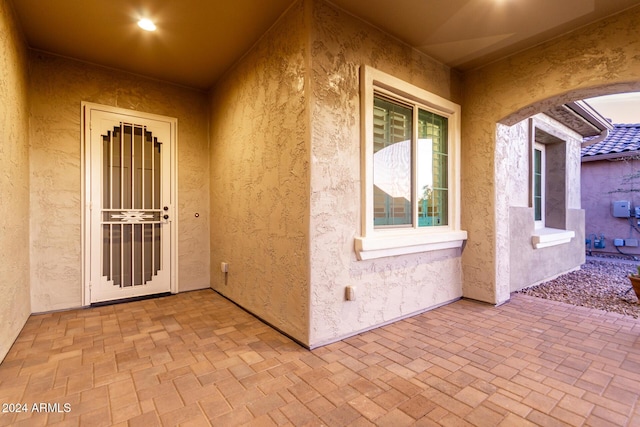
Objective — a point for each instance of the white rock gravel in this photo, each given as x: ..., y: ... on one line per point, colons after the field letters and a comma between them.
x: 598, y: 284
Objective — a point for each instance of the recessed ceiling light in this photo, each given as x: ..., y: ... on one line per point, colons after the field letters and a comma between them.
x: 146, y: 24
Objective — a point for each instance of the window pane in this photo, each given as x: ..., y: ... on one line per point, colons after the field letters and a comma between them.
x: 392, y: 127
x: 433, y: 170
x: 537, y: 185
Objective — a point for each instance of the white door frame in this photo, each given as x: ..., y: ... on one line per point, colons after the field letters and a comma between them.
x: 85, y: 167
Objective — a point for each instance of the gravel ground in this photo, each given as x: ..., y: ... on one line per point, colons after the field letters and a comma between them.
x: 598, y: 284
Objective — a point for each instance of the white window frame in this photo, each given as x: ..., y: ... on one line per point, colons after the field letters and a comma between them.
x: 541, y: 148
x: 383, y: 242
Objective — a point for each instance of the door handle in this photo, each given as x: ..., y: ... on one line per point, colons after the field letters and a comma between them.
x: 165, y: 216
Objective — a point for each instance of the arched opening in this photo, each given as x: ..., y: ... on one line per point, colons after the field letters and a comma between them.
x: 545, y: 218
x: 569, y: 96
x: 606, y: 183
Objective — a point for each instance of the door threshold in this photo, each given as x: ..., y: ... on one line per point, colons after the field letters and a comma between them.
x: 132, y: 299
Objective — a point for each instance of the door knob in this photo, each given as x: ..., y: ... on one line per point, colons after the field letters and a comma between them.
x: 166, y: 217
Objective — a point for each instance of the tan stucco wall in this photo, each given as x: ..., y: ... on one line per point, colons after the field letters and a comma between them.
x: 386, y: 288
x: 518, y: 159
x: 597, y: 59
x: 57, y: 88
x: 528, y: 266
x: 260, y: 179
x: 286, y: 194
x: 14, y: 181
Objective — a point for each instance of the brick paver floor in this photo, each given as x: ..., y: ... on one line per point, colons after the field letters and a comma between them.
x: 196, y: 359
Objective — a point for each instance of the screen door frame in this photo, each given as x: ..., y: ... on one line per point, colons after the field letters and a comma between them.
x: 169, y: 148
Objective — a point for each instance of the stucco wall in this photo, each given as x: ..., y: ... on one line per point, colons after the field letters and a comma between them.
x: 530, y: 266
x: 517, y: 139
x: 58, y: 86
x: 597, y: 59
x: 14, y: 181
x: 604, y: 182
x: 260, y: 179
x: 386, y: 288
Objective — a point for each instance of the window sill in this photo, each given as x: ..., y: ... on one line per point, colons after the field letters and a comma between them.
x: 546, y: 237
x: 398, y: 243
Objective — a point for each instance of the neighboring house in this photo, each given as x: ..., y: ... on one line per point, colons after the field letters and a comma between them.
x: 280, y: 207
x: 611, y: 191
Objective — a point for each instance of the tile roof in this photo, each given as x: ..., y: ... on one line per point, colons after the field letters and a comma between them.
x: 622, y: 138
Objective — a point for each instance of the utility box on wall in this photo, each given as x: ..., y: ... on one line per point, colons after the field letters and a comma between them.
x: 622, y: 209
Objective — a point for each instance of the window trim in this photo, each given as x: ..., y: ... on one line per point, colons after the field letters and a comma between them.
x: 544, y: 236
x: 538, y: 146
x: 382, y: 242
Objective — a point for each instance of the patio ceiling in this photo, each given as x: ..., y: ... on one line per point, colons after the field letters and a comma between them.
x: 197, y: 40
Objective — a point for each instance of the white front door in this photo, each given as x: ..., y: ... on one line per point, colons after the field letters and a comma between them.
x: 130, y: 222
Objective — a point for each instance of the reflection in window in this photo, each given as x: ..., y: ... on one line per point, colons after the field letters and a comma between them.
x: 408, y: 192
x: 392, y: 124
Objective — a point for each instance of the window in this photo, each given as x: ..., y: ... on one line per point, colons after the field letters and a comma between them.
x: 408, y: 190
x: 410, y: 169
x: 538, y: 184
x: 548, y: 186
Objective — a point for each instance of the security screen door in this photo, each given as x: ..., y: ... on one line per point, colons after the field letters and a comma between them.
x: 130, y: 205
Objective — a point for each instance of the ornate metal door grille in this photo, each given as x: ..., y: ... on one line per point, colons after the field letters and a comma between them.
x: 132, y: 214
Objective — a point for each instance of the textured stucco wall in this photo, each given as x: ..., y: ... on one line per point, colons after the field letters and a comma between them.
x: 386, y: 288
x: 516, y: 138
x: 286, y: 195
x: 260, y: 179
x: 530, y: 266
x: 58, y: 86
x: 604, y: 182
x: 527, y: 265
x: 597, y: 59
x: 14, y: 181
